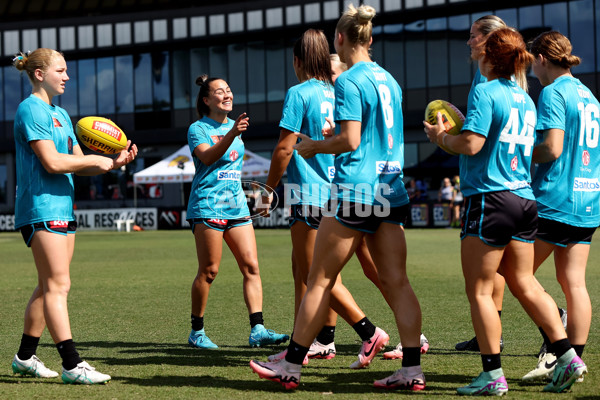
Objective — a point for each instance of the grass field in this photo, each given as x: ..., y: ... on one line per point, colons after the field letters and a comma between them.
x: 130, y: 306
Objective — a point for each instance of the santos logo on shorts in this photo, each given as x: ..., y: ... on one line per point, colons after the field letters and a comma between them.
x: 229, y: 175
x: 388, y: 167
x: 586, y: 185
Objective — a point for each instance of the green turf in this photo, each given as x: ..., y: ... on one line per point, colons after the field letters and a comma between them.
x: 130, y: 304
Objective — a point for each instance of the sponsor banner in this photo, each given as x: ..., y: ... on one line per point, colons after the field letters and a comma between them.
x: 278, y: 218
x: 7, y: 222
x: 419, y: 215
x: 104, y: 219
x: 441, y: 214
x: 172, y: 218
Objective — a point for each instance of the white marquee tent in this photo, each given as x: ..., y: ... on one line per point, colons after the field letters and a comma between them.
x: 179, y: 167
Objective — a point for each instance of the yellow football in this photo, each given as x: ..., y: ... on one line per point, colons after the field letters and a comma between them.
x: 452, y: 118
x: 100, y: 135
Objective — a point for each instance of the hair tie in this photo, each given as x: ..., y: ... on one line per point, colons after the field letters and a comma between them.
x: 20, y: 58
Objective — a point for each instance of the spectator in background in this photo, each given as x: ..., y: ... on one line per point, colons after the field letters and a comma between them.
x: 457, y: 202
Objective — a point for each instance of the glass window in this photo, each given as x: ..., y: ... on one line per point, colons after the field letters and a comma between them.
x: 160, y: 80
x: 198, y: 66
x: 255, y: 19
x: 159, y: 30
x: 237, y: 72
x: 181, y: 80
x: 179, y: 28
x: 123, y: 33
x: 124, y: 79
x: 235, y: 22
x: 581, y: 21
x: 69, y: 100
x: 435, y: 2
x: 197, y: 26
x: 274, y: 17
x: 554, y: 17
x: 373, y: 3
x: 30, y: 40
x: 460, y: 71
x: 106, y: 85
x: 216, y: 24
x: 393, y: 47
x: 437, y: 52
x: 142, y: 72
x: 104, y: 35
x: 392, y: 5
x: 12, y: 91
x: 275, y: 71
x: 312, y: 12
x: 377, y: 46
x: 293, y: 15
x: 509, y: 16
x: 530, y: 17
x: 87, y: 87
x: 413, y: 3
x: 49, y: 38
x: 415, y: 48
x: 85, y: 36
x: 217, y: 60
x: 11, y: 42
x: 1, y: 96
x: 290, y: 74
x: 256, y: 72
x: 331, y: 10
x: 141, y: 30
x: 67, y: 38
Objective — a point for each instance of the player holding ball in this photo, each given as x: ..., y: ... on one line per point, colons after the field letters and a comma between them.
x: 47, y: 155
x: 500, y: 223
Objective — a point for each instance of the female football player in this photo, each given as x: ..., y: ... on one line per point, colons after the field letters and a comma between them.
x: 500, y: 222
x: 368, y: 199
x: 217, y: 210
x: 47, y: 156
x: 305, y: 108
x: 565, y: 183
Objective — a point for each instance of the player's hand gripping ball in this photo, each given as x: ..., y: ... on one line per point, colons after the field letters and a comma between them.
x: 100, y: 135
x: 451, y: 116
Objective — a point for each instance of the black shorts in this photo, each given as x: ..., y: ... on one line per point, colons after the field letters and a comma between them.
x: 219, y: 224
x: 60, y: 227
x: 365, y: 217
x: 499, y: 217
x: 310, y: 215
x: 560, y: 234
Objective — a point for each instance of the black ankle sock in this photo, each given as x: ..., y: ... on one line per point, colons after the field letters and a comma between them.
x: 326, y: 335
x: 28, y: 347
x: 411, y: 356
x: 256, y: 319
x: 197, y: 323
x: 68, y: 353
x: 295, y: 353
x: 364, y: 328
x: 577, y: 347
x: 491, y: 362
x: 560, y: 347
x: 545, y: 337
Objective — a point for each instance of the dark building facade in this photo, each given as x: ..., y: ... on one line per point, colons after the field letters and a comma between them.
x: 135, y: 62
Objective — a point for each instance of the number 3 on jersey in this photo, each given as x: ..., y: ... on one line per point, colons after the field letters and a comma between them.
x: 511, y: 134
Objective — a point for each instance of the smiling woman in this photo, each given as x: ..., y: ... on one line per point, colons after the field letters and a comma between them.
x: 218, y: 210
